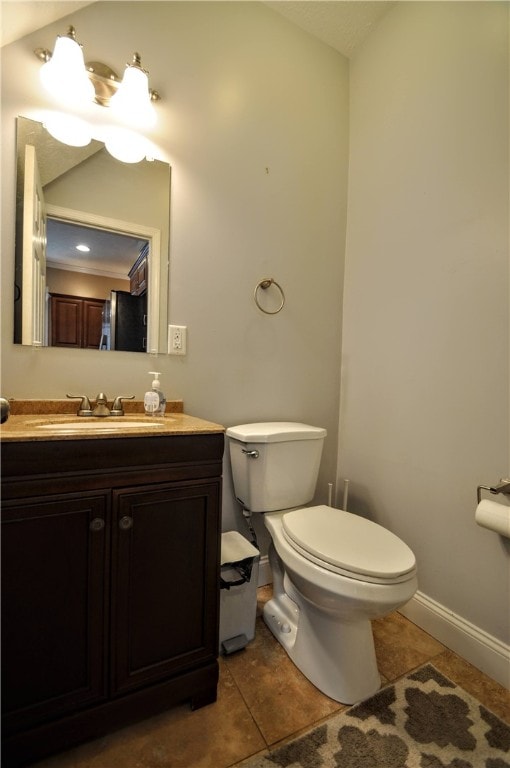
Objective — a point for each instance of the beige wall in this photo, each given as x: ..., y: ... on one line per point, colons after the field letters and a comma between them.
x: 424, y: 406
x: 80, y: 284
x: 254, y: 121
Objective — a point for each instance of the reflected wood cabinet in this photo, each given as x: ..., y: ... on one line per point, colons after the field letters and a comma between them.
x: 138, y: 275
x: 76, y: 322
x: 110, y: 573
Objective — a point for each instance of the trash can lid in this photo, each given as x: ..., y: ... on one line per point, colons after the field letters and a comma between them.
x: 234, y: 548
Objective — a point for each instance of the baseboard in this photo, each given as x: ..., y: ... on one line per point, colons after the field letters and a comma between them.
x: 265, y: 575
x: 484, y: 651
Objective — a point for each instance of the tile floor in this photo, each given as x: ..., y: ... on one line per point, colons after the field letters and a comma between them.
x: 262, y: 700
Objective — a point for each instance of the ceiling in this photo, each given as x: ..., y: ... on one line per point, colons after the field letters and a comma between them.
x: 111, y: 254
x: 342, y: 24
x: 20, y: 17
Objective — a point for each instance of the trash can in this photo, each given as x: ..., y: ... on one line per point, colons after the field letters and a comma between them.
x: 238, y: 592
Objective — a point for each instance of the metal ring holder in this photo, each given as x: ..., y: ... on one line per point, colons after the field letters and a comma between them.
x: 265, y: 284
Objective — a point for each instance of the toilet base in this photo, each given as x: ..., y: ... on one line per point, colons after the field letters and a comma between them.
x: 338, y: 657
x: 336, y: 654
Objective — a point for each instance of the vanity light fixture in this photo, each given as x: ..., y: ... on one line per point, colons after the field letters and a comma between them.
x: 67, y: 77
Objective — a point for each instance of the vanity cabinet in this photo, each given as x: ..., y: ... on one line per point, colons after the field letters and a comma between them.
x: 110, y: 579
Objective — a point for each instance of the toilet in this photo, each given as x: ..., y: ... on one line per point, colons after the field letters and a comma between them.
x: 333, y: 571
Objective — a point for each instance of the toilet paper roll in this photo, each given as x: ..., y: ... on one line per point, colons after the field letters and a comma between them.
x: 494, y: 516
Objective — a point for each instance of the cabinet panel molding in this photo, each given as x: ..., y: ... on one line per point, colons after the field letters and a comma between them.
x: 177, y: 524
x: 54, y: 600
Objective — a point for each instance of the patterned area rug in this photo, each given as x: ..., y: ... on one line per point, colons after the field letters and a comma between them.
x: 423, y: 721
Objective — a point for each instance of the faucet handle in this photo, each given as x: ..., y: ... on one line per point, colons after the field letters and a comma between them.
x: 85, y: 408
x: 117, y: 409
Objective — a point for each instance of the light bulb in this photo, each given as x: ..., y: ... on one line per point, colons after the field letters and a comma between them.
x: 64, y: 75
x: 132, y: 102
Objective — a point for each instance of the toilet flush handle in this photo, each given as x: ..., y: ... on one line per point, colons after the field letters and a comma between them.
x: 250, y: 454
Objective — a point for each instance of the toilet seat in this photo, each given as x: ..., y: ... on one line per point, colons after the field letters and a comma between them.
x: 349, y: 545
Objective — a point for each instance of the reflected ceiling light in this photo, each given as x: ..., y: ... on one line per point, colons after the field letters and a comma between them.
x: 68, y: 129
x: 126, y: 145
x: 83, y: 248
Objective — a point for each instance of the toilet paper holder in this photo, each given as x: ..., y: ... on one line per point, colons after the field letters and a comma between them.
x: 502, y: 487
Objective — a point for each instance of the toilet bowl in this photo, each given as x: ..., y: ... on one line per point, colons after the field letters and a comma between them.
x: 333, y: 572
x: 322, y: 616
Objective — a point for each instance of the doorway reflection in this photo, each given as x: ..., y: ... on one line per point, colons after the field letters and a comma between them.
x: 96, y: 288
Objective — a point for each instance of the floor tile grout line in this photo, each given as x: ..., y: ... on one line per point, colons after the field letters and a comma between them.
x: 232, y: 675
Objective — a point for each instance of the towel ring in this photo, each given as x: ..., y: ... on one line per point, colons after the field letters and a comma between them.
x: 265, y: 284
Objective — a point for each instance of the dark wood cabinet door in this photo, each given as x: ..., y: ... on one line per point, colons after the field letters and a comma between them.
x: 141, y: 277
x: 92, y: 322
x: 138, y: 276
x: 67, y: 321
x: 54, y: 600
x: 165, y: 581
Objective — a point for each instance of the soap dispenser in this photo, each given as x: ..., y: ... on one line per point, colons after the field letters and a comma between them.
x: 154, y: 401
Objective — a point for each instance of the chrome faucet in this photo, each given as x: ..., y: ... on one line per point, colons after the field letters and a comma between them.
x: 101, y: 408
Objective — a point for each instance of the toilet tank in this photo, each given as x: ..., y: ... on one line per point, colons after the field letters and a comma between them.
x: 275, y: 464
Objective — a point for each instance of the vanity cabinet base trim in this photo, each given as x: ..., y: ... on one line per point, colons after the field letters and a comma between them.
x: 199, y: 687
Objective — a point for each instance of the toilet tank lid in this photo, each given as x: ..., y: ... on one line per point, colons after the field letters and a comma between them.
x: 275, y: 432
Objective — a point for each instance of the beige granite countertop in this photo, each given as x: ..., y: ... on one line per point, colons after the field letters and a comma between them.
x: 42, y: 420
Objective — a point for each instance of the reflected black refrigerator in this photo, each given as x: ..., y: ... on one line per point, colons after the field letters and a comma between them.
x: 128, y: 330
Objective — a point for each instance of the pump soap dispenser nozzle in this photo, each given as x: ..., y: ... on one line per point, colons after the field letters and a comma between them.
x: 156, y: 375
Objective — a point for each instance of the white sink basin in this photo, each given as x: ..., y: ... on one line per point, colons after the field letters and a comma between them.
x: 103, y: 425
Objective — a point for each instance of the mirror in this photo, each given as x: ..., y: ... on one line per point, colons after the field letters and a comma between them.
x: 113, y: 296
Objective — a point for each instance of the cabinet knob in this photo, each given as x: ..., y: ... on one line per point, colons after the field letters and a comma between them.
x: 97, y: 524
x: 125, y: 523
